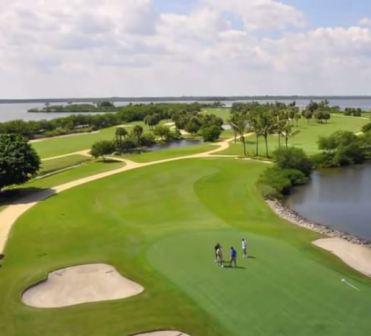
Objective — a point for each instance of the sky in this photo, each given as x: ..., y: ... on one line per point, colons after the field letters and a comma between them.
x: 95, y: 48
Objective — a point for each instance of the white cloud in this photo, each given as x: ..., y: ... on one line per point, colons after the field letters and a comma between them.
x: 261, y: 14
x: 125, y: 47
x: 365, y: 22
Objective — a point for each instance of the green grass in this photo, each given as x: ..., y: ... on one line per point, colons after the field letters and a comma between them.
x: 158, y: 225
x: 64, y: 145
x: 306, y: 139
x: 50, y: 166
x: 169, y: 153
x: 222, y: 112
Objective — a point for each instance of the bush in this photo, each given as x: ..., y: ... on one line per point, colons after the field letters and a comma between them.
x: 147, y: 139
x: 293, y: 158
x: 366, y: 128
x: 342, y: 148
x: 125, y: 146
x: 275, y: 181
x: 211, y: 133
x: 18, y: 160
x: 103, y: 148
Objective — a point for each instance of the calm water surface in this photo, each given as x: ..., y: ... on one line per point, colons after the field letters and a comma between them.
x: 339, y: 198
x: 174, y: 144
x: 19, y: 111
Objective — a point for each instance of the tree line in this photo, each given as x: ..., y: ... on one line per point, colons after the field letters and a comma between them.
x: 87, y: 123
x: 344, y: 148
x: 278, y: 119
x: 102, y: 106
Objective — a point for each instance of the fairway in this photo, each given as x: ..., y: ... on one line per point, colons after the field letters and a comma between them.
x: 157, y: 225
x: 307, y: 138
x: 56, y: 146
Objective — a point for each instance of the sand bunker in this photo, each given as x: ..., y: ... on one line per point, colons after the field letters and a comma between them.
x: 163, y: 333
x: 80, y: 284
x: 356, y: 256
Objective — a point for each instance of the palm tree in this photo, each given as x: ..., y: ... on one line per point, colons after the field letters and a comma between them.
x: 288, y: 132
x: 240, y: 125
x: 120, y: 133
x: 232, y: 122
x: 138, y: 131
x: 266, y: 125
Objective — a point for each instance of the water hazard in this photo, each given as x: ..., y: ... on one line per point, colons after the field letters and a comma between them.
x: 339, y: 198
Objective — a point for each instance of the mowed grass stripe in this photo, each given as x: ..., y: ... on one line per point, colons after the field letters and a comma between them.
x: 157, y: 225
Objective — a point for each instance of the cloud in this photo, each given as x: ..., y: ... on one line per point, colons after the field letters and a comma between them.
x: 365, y: 22
x: 127, y: 47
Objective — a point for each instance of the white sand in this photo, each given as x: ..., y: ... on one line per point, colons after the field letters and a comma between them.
x: 163, y: 333
x: 80, y: 284
x: 354, y: 255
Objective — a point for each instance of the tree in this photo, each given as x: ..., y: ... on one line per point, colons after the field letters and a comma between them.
x: 102, y: 148
x: 18, y: 160
x: 137, y: 132
x: 366, y: 128
x: 193, y: 125
x: 163, y: 132
x: 297, y: 117
x: 308, y: 114
x: 293, y: 158
x: 152, y: 120
x: 266, y: 125
x: 211, y: 133
x: 287, y: 132
x: 240, y: 124
x: 120, y: 133
x: 232, y: 122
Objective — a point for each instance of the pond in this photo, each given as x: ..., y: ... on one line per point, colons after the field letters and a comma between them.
x: 175, y: 144
x: 338, y: 198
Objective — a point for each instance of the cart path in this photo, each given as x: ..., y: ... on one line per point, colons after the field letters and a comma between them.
x: 10, y: 214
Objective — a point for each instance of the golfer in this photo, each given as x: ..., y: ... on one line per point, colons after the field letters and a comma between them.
x: 218, y: 254
x: 244, y: 247
x: 233, y: 260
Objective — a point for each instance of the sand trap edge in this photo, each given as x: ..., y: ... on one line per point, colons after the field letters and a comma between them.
x: 123, y: 288
x: 165, y: 332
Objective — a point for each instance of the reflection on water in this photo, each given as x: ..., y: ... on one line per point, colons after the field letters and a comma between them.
x: 340, y: 198
x: 174, y: 144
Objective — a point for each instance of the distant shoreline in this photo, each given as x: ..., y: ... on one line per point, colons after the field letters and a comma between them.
x: 174, y: 99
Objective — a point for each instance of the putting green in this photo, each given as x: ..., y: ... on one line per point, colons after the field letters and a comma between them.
x: 157, y: 225
x: 277, y: 291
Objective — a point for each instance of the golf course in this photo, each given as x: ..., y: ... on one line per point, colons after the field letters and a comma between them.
x: 155, y: 217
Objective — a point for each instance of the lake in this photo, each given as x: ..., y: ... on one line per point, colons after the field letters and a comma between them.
x: 19, y: 110
x: 174, y: 144
x: 338, y: 198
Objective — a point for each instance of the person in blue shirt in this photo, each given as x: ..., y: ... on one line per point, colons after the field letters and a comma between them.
x: 233, y: 261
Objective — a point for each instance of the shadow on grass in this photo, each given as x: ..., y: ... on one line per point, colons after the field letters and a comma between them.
x: 233, y: 267
x: 24, y: 195
x: 108, y: 161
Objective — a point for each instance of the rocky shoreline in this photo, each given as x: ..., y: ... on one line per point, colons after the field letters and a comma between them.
x: 293, y: 217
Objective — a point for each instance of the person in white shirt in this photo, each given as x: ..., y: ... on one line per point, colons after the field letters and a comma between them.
x: 244, y: 247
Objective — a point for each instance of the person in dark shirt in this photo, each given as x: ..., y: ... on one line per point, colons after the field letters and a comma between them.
x: 233, y: 261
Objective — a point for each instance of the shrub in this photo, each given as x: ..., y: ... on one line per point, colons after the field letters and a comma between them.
x: 366, y: 128
x: 125, y: 146
x: 211, y: 133
x: 293, y: 158
x: 147, y: 139
x: 103, y: 148
x: 18, y: 160
x: 276, y: 182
